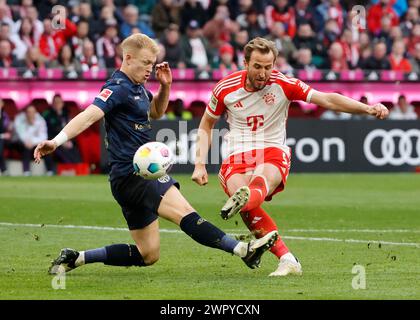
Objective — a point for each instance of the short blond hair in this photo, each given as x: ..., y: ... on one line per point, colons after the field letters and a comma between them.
x: 138, y: 41
x: 262, y: 45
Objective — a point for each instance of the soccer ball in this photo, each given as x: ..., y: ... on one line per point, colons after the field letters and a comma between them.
x: 153, y: 160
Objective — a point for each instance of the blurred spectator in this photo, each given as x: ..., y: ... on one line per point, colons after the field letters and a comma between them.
x: 131, y: 20
x: 415, y: 38
x: 145, y: 8
x: 31, y: 129
x: 397, y: 59
x: 329, y: 10
x: 378, y: 61
x: 331, y: 32
x: 179, y: 112
x: 415, y: 58
x: 88, y: 60
x: 283, y: 65
x: 254, y: 23
x: 219, y: 29
x: 7, y: 58
x: 196, y: 49
x: 226, y: 56
x: 6, y: 16
x: 306, y: 38
x: 4, y: 136
x: 106, y: 46
x: 56, y: 117
x: 281, y: 11
x: 24, y: 39
x: 282, y: 40
x: 351, y: 47
x: 192, y: 10
x: 81, y: 35
x: 402, y: 110
x: 161, y: 54
x: 52, y: 39
x: 399, y: 6
x: 376, y: 12
x: 304, y: 12
x: 240, y: 39
x: 411, y: 18
x: 304, y: 60
x: 66, y: 61
x: 86, y: 14
x: 33, y: 61
x: 384, y: 34
x: 37, y: 25
x: 174, y: 53
x: 164, y: 13
x: 232, y: 5
x: 337, y: 60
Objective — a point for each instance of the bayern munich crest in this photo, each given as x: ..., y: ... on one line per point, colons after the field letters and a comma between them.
x: 269, y: 98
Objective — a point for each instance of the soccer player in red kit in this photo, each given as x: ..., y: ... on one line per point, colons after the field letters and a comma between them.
x: 256, y: 100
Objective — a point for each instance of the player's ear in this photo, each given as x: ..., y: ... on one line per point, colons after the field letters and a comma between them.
x: 127, y: 58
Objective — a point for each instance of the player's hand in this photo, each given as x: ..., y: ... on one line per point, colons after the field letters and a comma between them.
x: 44, y: 148
x: 163, y: 73
x: 378, y: 110
x: 200, y: 175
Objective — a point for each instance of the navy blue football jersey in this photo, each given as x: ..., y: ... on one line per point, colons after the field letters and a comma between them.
x: 127, y: 123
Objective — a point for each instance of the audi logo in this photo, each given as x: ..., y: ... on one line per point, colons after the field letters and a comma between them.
x: 405, y: 141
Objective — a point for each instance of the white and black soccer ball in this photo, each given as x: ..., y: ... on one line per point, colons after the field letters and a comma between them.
x: 153, y: 160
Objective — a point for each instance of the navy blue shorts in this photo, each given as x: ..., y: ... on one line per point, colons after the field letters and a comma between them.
x: 139, y: 198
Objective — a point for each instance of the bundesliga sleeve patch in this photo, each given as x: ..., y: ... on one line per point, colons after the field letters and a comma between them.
x: 105, y: 94
x: 213, y: 103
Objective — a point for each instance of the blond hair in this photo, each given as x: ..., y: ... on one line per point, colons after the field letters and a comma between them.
x: 262, y: 45
x: 138, y: 41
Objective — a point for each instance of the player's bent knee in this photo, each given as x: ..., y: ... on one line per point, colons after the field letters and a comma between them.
x: 151, y: 258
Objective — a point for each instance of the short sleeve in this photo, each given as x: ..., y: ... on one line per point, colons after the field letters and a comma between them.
x: 109, y: 97
x: 216, y: 106
x: 296, y: 89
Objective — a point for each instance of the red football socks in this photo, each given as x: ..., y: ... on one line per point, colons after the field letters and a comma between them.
x: 260, y: 223
x: 259, y: 190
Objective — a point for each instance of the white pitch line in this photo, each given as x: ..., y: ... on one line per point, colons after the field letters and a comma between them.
x: 8, y: 224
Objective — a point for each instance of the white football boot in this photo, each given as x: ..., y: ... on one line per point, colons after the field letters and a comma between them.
x: 288, y: 265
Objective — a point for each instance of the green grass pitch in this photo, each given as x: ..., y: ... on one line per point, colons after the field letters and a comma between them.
x: 330, y: 221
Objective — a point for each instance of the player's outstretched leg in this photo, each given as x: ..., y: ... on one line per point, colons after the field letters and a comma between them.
x: 123, y: 255
x: 260, y: 223
x: 174, y: 207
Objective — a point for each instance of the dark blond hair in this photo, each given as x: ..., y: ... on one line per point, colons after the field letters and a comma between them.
x: 262, y: 45
x: 138, y: 41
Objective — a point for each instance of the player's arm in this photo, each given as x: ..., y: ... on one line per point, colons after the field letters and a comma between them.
x: 76, y: 126
x: 160, y: 101
x: 202, y: 148
x: 338, y: 102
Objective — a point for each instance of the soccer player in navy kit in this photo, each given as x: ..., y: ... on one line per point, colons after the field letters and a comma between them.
x: 127, y: 108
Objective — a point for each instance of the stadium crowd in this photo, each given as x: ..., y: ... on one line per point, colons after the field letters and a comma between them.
x: 210, y: 34
x: 203, y: 35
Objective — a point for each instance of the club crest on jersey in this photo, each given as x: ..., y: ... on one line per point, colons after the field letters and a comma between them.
x: 269, y: 98
x: 105, y: 94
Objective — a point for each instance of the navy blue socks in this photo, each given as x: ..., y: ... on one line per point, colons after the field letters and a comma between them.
x: 124, y: 255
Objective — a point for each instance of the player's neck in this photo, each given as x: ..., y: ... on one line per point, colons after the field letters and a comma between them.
x: 127, y: 74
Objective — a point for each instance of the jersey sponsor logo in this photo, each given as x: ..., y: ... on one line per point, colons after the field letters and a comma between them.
x: 269, y: 98
x: 255, y: 121
x: 213, y: 103
x: 105, y: 94
x: 164, y: 179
